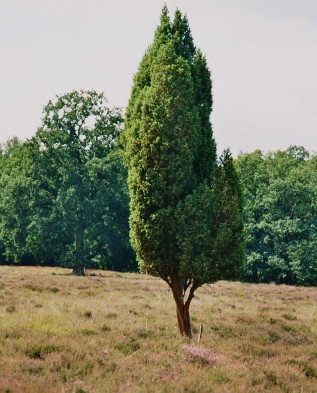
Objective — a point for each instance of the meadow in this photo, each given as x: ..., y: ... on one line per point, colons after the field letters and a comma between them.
x: 116, y: 332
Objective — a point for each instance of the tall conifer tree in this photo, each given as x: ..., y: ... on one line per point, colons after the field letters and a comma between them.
x: 173, y: 172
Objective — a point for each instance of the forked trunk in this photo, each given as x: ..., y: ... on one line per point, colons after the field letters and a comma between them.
x: 182, y: 308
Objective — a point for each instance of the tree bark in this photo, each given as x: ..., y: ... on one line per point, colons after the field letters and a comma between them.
x: 183, y: 319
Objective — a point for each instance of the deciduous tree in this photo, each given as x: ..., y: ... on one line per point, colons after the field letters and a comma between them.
x: 64, y: 192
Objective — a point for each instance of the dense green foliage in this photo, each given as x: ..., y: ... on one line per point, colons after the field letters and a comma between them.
x: 280, y: 216
x: 64, y: 195
x: 64, y: 198
x: 186, y: 224
x: 14, y: 200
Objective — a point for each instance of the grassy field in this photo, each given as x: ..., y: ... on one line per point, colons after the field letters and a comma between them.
x: 111, y: 332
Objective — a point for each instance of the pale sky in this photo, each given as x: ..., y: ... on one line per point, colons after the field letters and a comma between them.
x: 262, y: 55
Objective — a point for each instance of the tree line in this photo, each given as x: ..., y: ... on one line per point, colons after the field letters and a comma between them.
x: 38, y: 223
x: 280, y: 216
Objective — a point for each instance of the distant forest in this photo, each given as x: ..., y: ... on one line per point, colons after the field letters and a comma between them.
x: 280, y: 216
x: 65, y: 199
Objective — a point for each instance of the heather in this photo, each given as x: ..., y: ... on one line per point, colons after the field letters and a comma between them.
x: 116, y: 332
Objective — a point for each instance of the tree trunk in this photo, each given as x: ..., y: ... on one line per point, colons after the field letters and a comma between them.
x: 183, y: 319
x: 182, y: 309
x: 79, y: 270
x: 79, y: 267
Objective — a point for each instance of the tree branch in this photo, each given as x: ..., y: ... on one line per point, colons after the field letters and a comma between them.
x: 191, y: 294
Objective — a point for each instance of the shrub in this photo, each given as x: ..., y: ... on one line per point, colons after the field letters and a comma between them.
x: 201, y: 356
x: 38, y: 352
x: 87, y: 314
x: 105, y: 328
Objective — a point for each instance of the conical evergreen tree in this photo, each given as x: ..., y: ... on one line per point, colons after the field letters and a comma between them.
x: 171, y: 157
x: 207, y: 156
x: 184, y: 43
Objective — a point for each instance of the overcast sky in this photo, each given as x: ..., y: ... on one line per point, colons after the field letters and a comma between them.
x: 262, y: 55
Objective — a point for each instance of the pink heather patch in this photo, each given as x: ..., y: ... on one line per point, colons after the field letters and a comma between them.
x: 203, y: 356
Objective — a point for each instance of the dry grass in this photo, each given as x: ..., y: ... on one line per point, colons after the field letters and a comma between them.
x: 113, y: 332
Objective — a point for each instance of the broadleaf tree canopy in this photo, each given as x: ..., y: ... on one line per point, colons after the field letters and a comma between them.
x: 64, y: 197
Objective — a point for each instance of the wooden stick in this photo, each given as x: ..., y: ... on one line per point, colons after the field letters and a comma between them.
x: 200, y: 332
